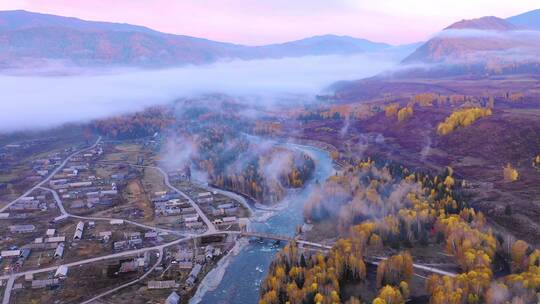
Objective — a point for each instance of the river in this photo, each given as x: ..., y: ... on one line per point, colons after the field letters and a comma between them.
x: 246, y: 270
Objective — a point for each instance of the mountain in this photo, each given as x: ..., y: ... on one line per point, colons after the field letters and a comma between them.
x: 33, y: 39
x: 489, y: 23
x: 323, y: 45
x: 20, y: 20
x: 529, y: 20
x: 498, y: 55
x: 483, y: 46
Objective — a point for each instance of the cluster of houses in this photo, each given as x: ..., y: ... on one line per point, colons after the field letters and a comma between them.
x: 173, y: 204
x: 30, y: 203
x: 223, y: 212
x: 11, y: 153
x: 186, y: 259
x: 221, y: 209
x: 130, y: 240
x: 181, y: 175
x: 26, y: 207
x: 129, y: 265
x: 50, y: 282
x: 51, y: 241
x: 16, y: 257
x: 77, y: 186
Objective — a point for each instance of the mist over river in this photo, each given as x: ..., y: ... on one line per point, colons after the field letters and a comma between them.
x: 247, y: 269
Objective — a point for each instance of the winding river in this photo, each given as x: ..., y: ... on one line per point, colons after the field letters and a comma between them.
x: 246, y: 270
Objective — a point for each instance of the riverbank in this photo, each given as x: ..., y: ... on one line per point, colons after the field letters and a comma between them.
x: 214, y: 277
x: 244, y: 272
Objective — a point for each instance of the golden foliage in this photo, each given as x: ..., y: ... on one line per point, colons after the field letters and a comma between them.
x: 397, y: 268
x: 462, y: 118
x: 510, y: 174
x: 391, y: 110
x: 405, y: 113
x: 519, y: 254
x: 389, y: 295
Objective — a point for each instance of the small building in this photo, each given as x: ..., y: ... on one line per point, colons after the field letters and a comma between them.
x: 17, y: 286
x: 173, y: 298
x: 10, y: 253
x: 44, y: 283
x: 226, y: 206
x: 50, y: 232
x: 185, y: 265
x: 194, y: 274
x: 162, y: 284
x: 108, y: 192
x: 160, y: 193
x: 132, y: 235
x: 22, y: 228
x: 184, y: 255
x: 191, y: 219
x: 117, y: 222
x: 152, y: 235
x: 78, y: 231
x: 229, y: 219
x: 209, y: 252
x: 77, y: 204
x: 25, y: 253
x: 194, y: 225
x: 59, y: 252
x: 60, y: 217
x: 128, y: 266
x: 105, y: 235
x: 135, y: 242
x: 55, y: 239
x: 61, y: 272
x: 120, y: 245
x: 205, y: 197
x: 80, y: 184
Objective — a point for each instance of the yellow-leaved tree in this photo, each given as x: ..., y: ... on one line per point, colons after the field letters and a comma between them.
x: 510, y: 174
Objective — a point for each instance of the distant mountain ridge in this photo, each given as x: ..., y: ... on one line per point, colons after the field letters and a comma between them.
x: 28, y: 38
x: 482, y: 46
x: 483, y: 49
x: 530, y: 20
x: 490, y: 23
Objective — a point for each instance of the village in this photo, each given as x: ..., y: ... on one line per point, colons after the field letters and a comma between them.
x: 106, y: 215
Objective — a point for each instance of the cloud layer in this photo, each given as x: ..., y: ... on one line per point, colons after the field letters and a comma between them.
x: 33, y: 102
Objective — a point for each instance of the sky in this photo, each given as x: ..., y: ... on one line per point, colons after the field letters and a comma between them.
x: 257, y: 22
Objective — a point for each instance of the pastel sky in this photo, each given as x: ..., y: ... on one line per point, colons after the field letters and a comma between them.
x: 256, y: 22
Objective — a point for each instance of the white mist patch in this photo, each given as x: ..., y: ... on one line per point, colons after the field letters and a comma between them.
x: 33, y: 102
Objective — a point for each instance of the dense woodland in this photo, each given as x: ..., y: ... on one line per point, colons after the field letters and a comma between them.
x: 140, y: 124
x: 385, y: 205
x: 240, y: 162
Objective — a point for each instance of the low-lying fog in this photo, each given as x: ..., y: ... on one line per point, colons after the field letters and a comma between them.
x: 33, y: 102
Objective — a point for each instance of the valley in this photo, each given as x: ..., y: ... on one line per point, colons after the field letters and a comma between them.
x: 142, y: 165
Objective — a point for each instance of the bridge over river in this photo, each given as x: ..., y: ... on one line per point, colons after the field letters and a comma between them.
x: 285, y: 238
